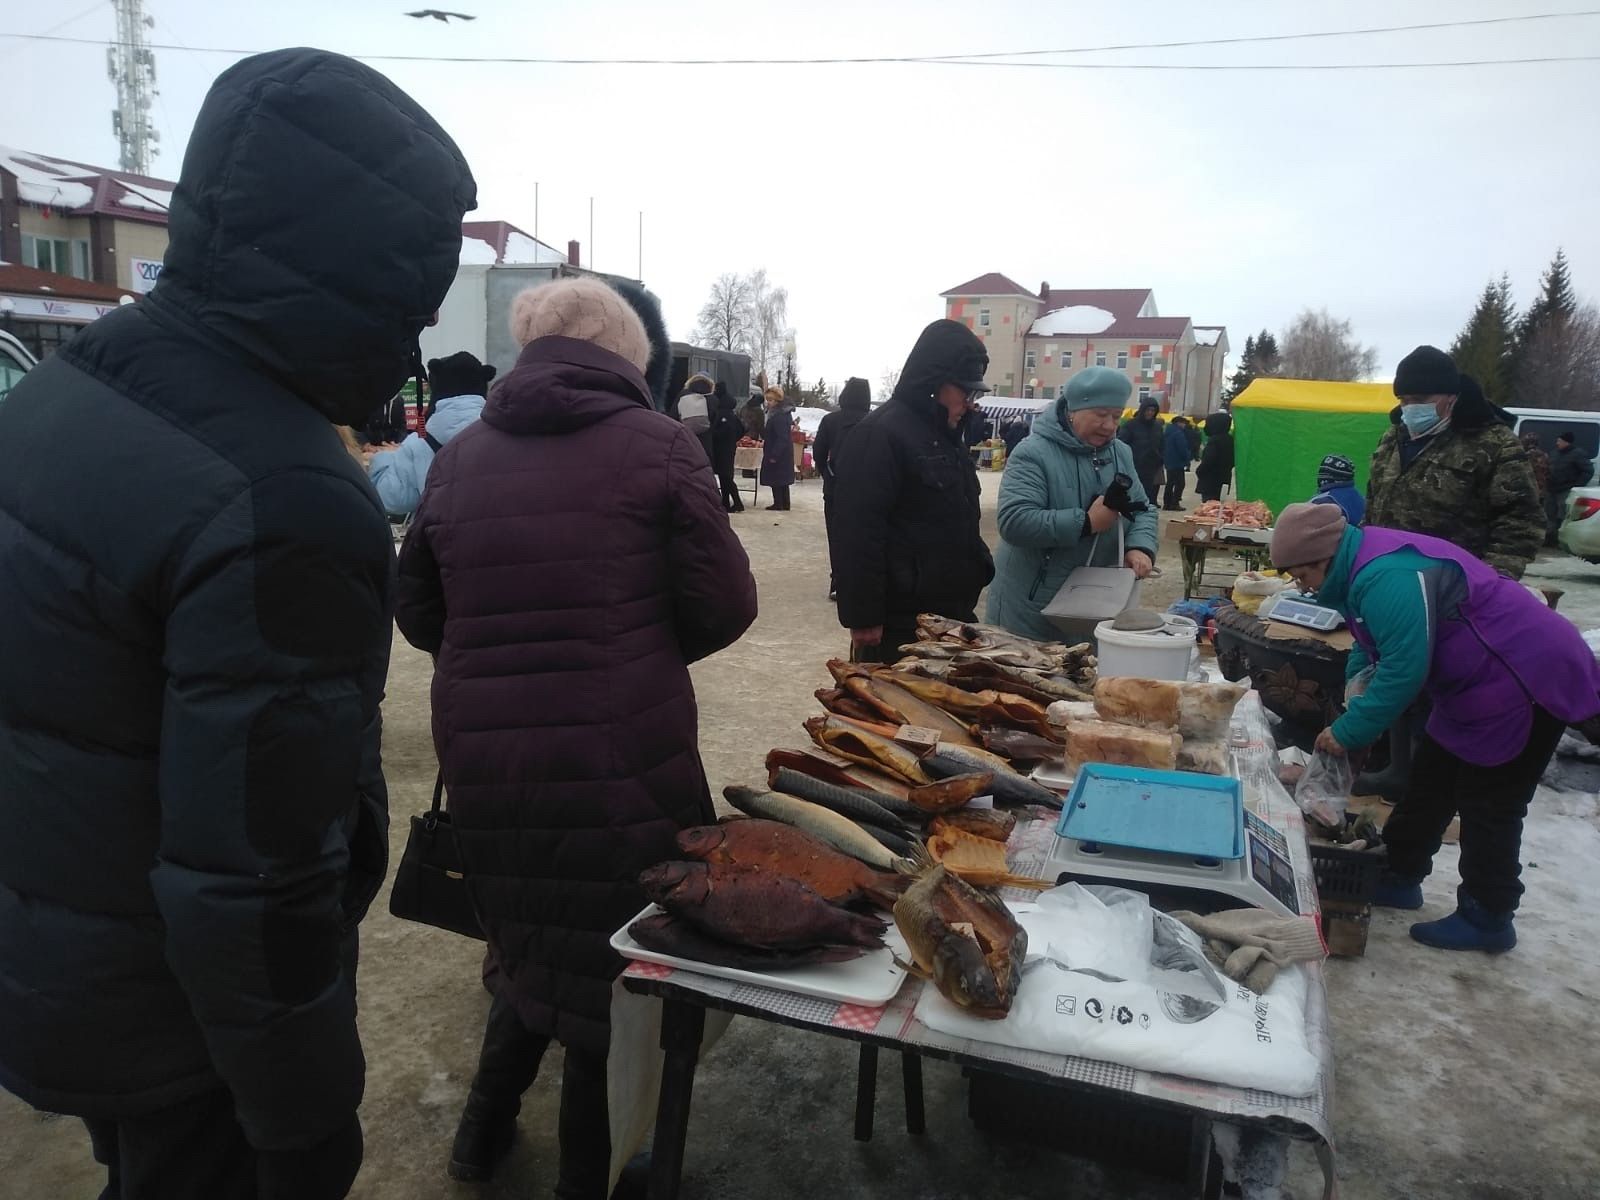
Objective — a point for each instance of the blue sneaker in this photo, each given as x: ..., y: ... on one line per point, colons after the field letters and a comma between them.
x: 1394, y: 892
x: 1470, y: 927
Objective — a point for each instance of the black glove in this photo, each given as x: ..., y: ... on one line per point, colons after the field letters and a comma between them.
x: 1120, y: 500
x: 321, y: 1172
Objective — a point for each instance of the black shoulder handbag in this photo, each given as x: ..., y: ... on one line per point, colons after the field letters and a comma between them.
x: 429, y: 886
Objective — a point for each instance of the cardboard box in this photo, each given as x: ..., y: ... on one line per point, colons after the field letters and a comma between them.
x: 1345, y: 927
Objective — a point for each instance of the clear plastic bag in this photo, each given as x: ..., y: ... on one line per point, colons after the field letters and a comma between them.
x: 1324, y: 788
x: 1358, y: 683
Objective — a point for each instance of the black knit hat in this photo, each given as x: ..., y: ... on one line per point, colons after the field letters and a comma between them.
x: 458, y: 375
x: 1335, y: 469
x: 1426, y: 371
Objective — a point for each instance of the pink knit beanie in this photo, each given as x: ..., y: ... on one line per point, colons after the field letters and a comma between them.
x: 1305, y: 534
x: 581, y: 308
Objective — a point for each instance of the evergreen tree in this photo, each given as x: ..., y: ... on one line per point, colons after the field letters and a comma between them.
x: 1551, y: 309
x: 1244, y: 372
x: 1268, y: 361
x: 1484, y: 347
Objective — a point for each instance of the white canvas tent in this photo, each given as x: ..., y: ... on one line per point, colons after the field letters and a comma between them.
x: 1001, y: 409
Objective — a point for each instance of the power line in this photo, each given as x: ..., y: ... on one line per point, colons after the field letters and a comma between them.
x: 988, y: 58
x: 63, y: 24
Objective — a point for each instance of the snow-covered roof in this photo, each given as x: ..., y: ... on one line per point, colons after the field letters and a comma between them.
x: 520, y: 248
x: 43, y: 181
x: 477, y: 252
x: 1207, y: 335
x: 1074, y: 319
x: 151, y: 199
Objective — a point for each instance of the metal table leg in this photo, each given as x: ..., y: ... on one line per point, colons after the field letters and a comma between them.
x: 682, y: 1027
x: 911, y: 1075
x: 866, y: 1091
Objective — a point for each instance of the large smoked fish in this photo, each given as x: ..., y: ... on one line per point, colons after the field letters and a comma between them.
x: 965, y: 940
x: 666, y: 934
x: 752, y: 907
x: 856, y: 742
x: 785, y: 850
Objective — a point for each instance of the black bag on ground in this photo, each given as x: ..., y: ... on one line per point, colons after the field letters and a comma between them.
x: 430, y: 886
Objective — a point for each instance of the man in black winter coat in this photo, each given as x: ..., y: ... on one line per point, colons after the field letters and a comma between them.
x: 907, y: 500
x: 1570, y: 467
x: 196, y: 637
x: 855, y: 401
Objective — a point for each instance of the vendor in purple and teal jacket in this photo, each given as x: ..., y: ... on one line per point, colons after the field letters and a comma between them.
x: 1505, y: 674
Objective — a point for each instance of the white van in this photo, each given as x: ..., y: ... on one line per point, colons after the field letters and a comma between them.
x: 1548, y: 423
x: 15, y: 362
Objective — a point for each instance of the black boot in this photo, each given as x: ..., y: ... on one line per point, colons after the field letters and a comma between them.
x: 584, y: 1129
x: 507, y: 1066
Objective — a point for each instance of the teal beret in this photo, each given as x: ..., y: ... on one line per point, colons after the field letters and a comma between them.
x: 1098, y: 387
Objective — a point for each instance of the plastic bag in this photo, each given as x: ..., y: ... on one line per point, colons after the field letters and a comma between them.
x: 1358, y: 683
x: 1324, y: 789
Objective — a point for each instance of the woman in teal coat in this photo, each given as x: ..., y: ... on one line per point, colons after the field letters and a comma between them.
x: 1053, y: 512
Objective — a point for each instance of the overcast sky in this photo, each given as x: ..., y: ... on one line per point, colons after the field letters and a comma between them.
x: 1240, y: 197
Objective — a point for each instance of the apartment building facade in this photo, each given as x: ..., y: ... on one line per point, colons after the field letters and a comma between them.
x: 1038, y: 340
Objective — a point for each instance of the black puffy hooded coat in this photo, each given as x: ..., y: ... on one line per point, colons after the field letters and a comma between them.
x: 908, y: 497
x: 197, y: 586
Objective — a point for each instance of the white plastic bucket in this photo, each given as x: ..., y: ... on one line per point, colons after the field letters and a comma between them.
x: 1163, y: 653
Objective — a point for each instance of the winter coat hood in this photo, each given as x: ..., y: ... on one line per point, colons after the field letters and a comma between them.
x: 855, y: 396
x: 658, y: 371
x: 316, y: 226
x: 452, y: 414
x: 561, y: 385
x: 1220, y: 423
x: 945, y: 352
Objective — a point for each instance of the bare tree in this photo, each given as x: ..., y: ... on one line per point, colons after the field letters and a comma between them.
x: 886, y: 385
x: 1317, y: 346
x: 767, y: 313
x: 1560, y: 365
x: 725, y: 316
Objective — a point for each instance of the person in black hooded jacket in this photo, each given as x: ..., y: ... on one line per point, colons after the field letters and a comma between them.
x: 726, y: 430
x: 855, y: 401
x: 196, y: 641
x: 908, y: 499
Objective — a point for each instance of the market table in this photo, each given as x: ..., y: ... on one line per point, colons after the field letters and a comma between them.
x: 748, y: 458
x: 686, y: 997
x: 1193, y: 555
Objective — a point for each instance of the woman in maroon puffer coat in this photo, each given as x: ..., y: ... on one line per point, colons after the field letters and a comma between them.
x: 569, y: 560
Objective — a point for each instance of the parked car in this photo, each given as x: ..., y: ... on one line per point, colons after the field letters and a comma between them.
x: 14, y: 363
x: 1580, y: 532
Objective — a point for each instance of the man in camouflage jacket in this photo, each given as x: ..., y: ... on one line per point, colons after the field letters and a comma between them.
x: 1468, y: 481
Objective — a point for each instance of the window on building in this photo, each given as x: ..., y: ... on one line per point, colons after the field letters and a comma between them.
x: 1122, y: 360
x: 1147, y: 361
x: 62, y: 256
x: 1050, y: 391
x: 1027, y: 392
x: 983, y: 318
x: 43, y: 338
x: 1029, y: 360
x: 1099, y: 358
x: 1144, y: 394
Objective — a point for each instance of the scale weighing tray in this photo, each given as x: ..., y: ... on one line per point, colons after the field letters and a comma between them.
x: 1167, y: 812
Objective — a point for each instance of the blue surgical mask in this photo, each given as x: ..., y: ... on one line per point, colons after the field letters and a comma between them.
x: 1420, y: 419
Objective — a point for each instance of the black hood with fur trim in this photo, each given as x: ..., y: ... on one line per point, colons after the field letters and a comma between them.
x: 658, y: 371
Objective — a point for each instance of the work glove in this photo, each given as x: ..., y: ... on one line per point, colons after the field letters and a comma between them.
x: 1120, y: 500
x: 324, y: 1171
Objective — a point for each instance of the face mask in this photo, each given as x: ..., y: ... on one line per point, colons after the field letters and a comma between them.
x: 1420, y: 419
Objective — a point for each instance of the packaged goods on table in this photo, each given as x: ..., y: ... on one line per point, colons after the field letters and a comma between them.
x: 1125, y: 745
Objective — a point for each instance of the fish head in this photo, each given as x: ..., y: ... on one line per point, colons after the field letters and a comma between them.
x: 963, y: 975
x: 702, y: 841
x: 682, y: 882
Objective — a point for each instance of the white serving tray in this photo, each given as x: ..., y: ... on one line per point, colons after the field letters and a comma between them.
x: 870, y: 981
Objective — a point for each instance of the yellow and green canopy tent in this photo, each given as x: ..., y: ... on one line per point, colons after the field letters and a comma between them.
x: 1282, y: 428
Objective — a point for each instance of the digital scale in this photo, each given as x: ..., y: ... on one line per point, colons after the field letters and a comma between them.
x: 1292, y: 608
x: 1173, y: 833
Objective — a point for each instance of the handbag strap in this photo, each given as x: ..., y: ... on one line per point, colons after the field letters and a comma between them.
x: 1122, y: 552
x: 438, y: 796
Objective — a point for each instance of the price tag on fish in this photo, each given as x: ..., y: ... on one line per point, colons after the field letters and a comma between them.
x: 917, y: 737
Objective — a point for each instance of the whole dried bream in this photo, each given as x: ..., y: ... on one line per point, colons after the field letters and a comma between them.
x: 749, y: 906
x: 966, y: 941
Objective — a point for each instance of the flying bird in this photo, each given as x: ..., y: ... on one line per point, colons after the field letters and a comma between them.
x: 440, y: 15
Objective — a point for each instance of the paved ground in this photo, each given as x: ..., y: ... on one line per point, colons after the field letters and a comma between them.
x: 1459, y: 1078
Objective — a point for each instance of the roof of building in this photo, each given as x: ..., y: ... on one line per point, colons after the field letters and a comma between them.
x: 83, y: 190
x: 992, y: 284
x: 1209, y: 335
x: 1125, y: 303
x: 1122, y: 329
x: 26, y: 281
x: 503, y: 242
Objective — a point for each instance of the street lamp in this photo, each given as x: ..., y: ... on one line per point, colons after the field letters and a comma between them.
x: 788, y: 362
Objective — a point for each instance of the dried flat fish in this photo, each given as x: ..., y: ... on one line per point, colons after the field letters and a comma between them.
x: 1009, y: 786
x: 991, y: 823
x: 1020, y: 746
x: 866, y: 746
x: 837, y: 700
x: 979, y: 860
x: 841, y: 771
x: 951, y: 793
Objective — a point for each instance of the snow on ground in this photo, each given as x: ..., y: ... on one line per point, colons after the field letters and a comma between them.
x: 1581, y: 581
